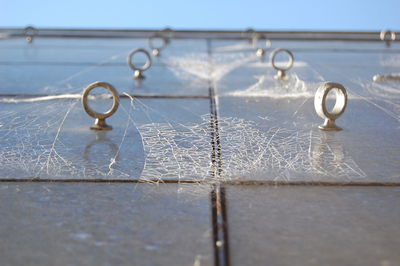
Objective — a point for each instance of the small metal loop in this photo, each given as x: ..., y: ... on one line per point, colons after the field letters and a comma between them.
x: 100, y: 123
x: 387, y: 36
x: 249, y: 34
x: 258, y: 37
x: 339, y: 108
x: 169, y: 34
x: 157, y: 50
x: 282, y: 70
x: 139, y: 70
x: 260, y: 51
x: 29, y: 33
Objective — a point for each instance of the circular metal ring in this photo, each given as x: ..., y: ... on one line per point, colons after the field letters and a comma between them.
x: 157, y: 36
x: 145, y: 66
x: 387, y: 35
x: 95, y: 114
x: 290, y: 63
x: 258, y: 37
x: 248, y: 34
x: 169, y: 34
x: 339, y: 108
x: 30, y: 31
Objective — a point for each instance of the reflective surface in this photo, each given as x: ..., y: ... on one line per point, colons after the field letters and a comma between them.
x: 104, y: 224
x: 181, y: 70
x: 279, y: 139
x: 210, y: 111
x: 151, y: 139
x: 314, y: 225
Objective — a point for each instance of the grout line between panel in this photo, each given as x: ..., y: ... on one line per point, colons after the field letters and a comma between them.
x: 218, y: 204
x: 204, y: 182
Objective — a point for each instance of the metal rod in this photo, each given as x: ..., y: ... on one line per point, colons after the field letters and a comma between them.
x: 197, y: 34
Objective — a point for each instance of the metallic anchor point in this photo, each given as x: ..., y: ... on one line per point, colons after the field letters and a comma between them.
x: 388, y: 37
x: 282, y: 70
x: 100, y: 122
x: 138, y: 70
x: 338, y: 109
x: 29, y: 33
x: 261, y: 51
x: 157, y: 50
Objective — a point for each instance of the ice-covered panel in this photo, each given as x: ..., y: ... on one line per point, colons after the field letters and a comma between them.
x: 153, y: 139
x: 278, y: 139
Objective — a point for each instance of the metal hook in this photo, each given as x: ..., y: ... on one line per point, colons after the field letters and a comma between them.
x: 282, y: 70
x: 338, y: 109
x: 29, y: 33
x: 388, y: 37
x: 157, y: 50
x: 170, y: 34
x: 100, y: 122
x: 138, y: 70
x: 248, y: 33
x: 260, y: 51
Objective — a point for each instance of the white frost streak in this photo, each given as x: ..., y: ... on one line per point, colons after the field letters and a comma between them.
x: 52, y: 149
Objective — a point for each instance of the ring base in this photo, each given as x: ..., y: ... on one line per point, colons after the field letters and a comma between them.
x: 156, y: 52
x: 281, y: 75
x: 100, y: 124
x: 138, y: 75
x: 260, y: 52
x: 329, y: 125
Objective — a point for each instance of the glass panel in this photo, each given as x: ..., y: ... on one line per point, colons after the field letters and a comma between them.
x: 314, y: 225
x: 279, y: 139
x: 105, y: 224
x: 151, y: 139
x: 182, y: 68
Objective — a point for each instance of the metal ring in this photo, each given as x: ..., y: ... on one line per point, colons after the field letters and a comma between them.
x: 387, y: 33
x: 30, y: 31
x: 157, y: 36
x: 339, y: 108
x: 89, y: 110
x: 258, y: 37
x: 145, y: 66
x: 170, y: 34
x: 248, y: 34
x: 290, y: 63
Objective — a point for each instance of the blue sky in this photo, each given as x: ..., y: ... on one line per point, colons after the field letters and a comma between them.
x: 204, y: 14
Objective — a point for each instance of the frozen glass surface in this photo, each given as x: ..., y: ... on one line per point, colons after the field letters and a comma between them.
x: 105, y: 224
x: 314, y: 225
x: 151, y: 139
x: 278, y: 139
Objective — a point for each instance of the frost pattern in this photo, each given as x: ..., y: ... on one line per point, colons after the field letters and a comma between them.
x: 32, y: 146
